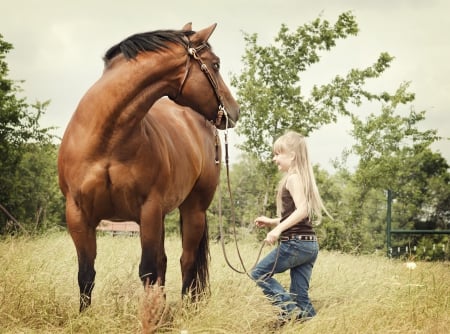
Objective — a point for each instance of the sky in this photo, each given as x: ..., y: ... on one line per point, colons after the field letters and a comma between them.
x: 59, y: 45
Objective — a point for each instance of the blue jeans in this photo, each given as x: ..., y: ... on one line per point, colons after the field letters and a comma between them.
x: 298, y: 256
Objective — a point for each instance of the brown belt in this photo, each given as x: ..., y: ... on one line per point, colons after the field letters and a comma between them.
x: 299, y: 237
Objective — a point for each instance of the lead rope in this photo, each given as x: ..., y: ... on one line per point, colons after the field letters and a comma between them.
x: 233, y: 216
x: 222, y: 113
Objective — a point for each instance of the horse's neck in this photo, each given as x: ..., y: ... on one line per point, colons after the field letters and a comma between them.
x: 136, y: 85
x: 122, y: 97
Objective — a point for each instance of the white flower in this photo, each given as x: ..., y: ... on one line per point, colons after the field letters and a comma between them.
x: 411, y: 265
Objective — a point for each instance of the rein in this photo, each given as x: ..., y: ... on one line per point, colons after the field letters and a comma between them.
x: 193, y: 52
x: 222, y: 241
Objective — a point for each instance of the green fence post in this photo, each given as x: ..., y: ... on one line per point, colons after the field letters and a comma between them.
x: 388, y: 222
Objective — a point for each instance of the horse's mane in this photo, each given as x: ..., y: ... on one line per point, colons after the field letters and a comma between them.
x: 148, y: 41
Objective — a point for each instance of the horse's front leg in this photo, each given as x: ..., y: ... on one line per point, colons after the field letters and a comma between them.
x: 84, y: 238
x: 152, y: 268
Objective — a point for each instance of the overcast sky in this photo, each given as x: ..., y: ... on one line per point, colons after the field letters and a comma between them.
x: 59, y: 45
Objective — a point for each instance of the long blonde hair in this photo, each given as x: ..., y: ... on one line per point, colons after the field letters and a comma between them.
x: 293, y: 142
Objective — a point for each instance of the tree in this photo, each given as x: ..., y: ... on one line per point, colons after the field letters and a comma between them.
x: 395, y: 154
x: 37, y: 200
x: 19, y: 128
x: 269, y: 90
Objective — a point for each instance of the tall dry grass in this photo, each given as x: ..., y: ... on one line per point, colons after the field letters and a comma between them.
x: 365, y: 294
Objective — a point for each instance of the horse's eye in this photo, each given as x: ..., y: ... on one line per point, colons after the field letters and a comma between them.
x: 216, y: 66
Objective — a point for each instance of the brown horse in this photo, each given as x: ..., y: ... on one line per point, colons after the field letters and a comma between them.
x: 120, y: 161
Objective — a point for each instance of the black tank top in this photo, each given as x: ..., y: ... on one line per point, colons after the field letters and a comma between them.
x: 303, y: 227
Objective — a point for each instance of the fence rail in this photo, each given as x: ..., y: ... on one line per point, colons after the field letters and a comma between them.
x: 390, y: 231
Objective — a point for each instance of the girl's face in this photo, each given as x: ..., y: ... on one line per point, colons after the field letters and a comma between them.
x: 283, y: 160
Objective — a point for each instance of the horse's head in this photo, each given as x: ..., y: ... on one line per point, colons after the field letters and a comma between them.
x: 203, y: 88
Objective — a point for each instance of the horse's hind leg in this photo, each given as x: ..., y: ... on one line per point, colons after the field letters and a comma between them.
x: 152, y: 268
x: 195, y: 257
x: 84, y: 238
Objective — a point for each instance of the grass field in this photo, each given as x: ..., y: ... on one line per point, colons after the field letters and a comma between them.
x: 352, y: 294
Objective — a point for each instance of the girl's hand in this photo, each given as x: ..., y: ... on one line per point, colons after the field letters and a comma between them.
x: 263, y: 221
x: 272, y: 237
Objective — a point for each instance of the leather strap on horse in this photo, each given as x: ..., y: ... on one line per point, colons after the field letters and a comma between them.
x: 221, y: 111
x: 193, y: 52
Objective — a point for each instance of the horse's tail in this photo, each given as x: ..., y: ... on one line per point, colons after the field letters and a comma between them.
x: 202, y: 262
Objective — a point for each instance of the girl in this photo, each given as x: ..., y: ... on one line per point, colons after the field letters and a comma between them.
x: 298, y: 202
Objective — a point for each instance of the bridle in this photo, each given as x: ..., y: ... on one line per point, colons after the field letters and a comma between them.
x: 194, y: 53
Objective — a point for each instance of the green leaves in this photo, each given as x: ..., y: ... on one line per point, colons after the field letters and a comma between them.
x: 333, y: 98
x: 386, y: 141
x: 269, y: 87
x: 24, y: 145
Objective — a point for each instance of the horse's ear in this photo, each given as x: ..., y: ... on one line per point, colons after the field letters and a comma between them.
x: 187, y: 27
x: 203, y: 35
